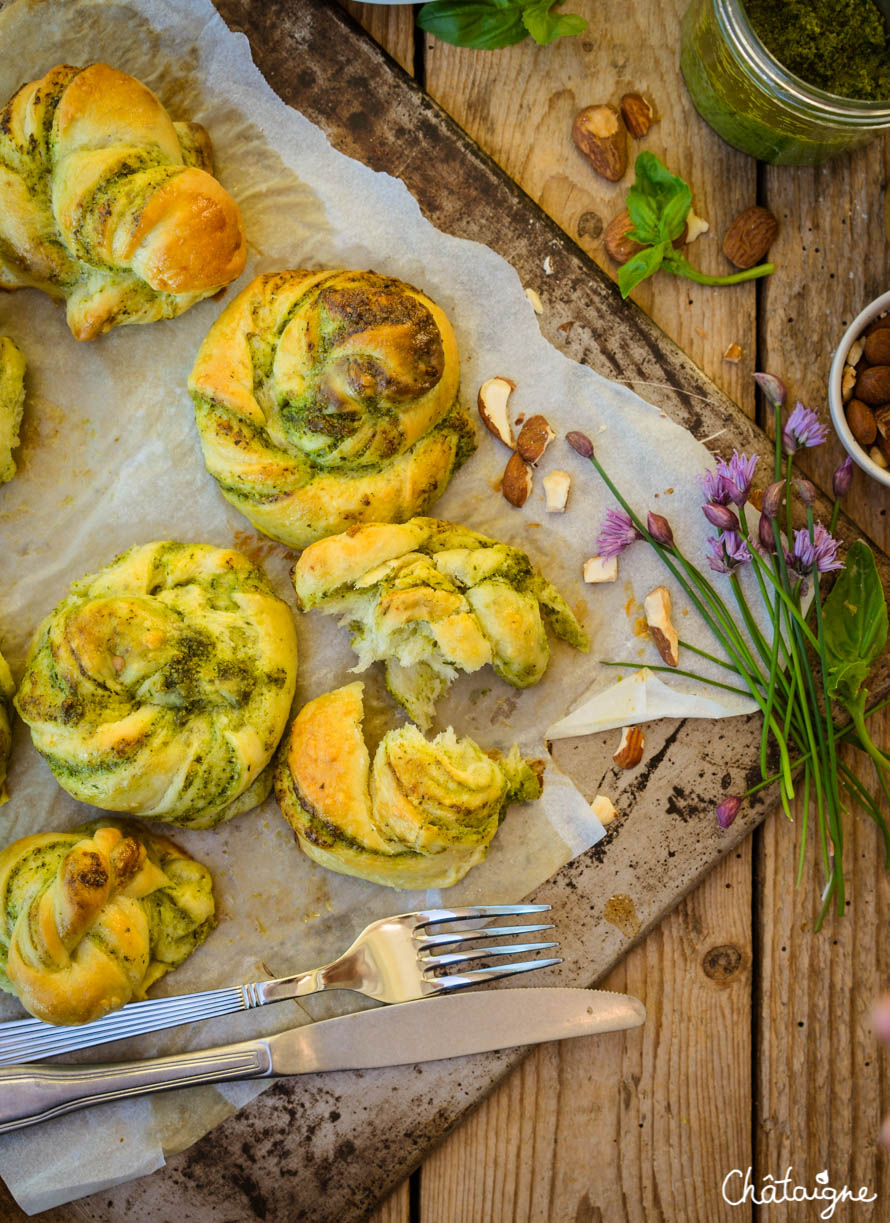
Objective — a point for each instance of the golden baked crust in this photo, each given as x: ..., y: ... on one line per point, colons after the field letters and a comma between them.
x: 109, y: 204
x: 431, y: 598
x: 90, y: 919
x: 7, y: 688
x: 161, y: 685
x: 12, y: 403
x: 421, y: 816
x: 328, y: 398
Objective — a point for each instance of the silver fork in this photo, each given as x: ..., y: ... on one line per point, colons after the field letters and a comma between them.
x: 393, y: 960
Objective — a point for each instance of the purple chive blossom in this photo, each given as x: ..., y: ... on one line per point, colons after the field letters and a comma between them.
x: 616, y: 534
x: 581, y: 443
x: 772, y: 499
x: 819, y: 553
x: 842, y: 479
x: 721, y: 517
x: 803, y: 428
x: 728, y: 551
x: 716, y: 487
x: 728, y: 810
x: 773, y: 389
x: 805, y: 490
x: 660, y: 529
x: 738, y: 474
x: 765, y: 535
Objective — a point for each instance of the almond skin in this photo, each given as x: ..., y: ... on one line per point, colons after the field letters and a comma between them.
x: 534, y: 438
x: 630, y: 749
x: 750, y: 236
x: 637, y: 114
x: 862, y: 422
x: 873, y: 385
x: 877, y: 347
x: 602, y: 138
x: 517, y: 482
x: 619, y: 247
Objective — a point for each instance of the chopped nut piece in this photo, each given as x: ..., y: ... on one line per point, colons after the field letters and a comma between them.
x: 657, y: 607
x: 630, y: 749
x: 848, y: 382
x: 492, y: 403
x: 517, y: 482
x: 604, y: 809
x: 601, y: 569
x: 534, y: 438
x: 548, y: 265
x: 637, y: 114
x: 733, y: 353
x: 537, y: 304
x: 876, y: 457
x: 556, y: 491
x: 695, y: 226
x: 854, y: 356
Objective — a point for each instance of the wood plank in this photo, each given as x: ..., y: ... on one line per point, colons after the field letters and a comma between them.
x: 391, y: 25
x: 396, y: 1208
x: 526, y: 1153
x: 822, y: 1083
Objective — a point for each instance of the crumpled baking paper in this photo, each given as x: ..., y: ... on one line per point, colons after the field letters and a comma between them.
x: 110, y: 457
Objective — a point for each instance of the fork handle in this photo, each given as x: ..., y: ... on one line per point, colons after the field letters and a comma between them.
x: 34, y: 1093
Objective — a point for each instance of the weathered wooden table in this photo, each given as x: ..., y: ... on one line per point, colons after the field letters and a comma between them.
x: 758, y: 1049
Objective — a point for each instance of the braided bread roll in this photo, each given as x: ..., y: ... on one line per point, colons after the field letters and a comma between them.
x: 431, y: 598
x: 109, y: 204
x: 420, y: 817
x: 90, y: 919
x: 12, y: 404
x: 161, y: 685
x: 328, y: 398
x: 7, y: 688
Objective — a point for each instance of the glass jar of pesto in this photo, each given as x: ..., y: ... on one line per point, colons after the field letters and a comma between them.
x: 755, y: 103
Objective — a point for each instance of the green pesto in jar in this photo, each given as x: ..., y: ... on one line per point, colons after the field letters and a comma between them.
x: 840, y: 46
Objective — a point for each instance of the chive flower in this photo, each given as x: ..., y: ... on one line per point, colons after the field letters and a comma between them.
x: 716, y: 487
x: 818, y: 553
x: 728, y: 551
x: 738, y: 473
x: 765, y: 535
x: 728, y: 810
x: 772, y: 499
x: 581, y: 443
x: 660, y: 529
x: 842, y: 479
x: 721, y: 517
x: 806, y: 490
x: 616, y: 534
x: 803, y: 429
x: 773, y: 389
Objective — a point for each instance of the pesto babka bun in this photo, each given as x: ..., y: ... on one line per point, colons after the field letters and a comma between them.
x: 12, y: 403
x: 7, y: 688
x: 324, y: 399
x: 420, y: 816
x: 90, y: 919
x: 430, y: 599
x: 162, y: 684
x: 107, y: 203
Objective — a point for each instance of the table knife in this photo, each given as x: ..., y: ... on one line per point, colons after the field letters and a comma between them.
x: 410, y: 1032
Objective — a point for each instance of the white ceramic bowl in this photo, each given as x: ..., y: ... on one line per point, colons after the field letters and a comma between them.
x: 835, y: 401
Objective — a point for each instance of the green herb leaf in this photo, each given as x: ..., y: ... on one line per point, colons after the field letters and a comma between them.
x: 658, y: 202
x: 484, y: 24
x: 641, y: 265
x: 490, y: 24
x: 854, y: 622
x: 544, y: 25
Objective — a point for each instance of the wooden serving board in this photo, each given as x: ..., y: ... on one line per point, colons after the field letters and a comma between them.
x: 331, y: 1146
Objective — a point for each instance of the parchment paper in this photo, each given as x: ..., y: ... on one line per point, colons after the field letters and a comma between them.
x: 110, y: 457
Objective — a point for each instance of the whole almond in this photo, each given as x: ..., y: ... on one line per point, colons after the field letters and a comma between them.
x: 861, y: 420
x: 517, y: 481
x: 637, y: 114
x: 882, y: 420
x: 873, y: 385
x: 620, y: 247
x: 878, y: 325
x: 602, y: 138
x: 534, y: 438
x: 750, y: 236
x: 877, y: 347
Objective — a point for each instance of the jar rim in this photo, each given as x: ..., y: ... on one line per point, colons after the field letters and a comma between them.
x: 753, y: 54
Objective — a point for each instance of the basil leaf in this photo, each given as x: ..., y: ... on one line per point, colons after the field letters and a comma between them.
x: 854, y: 623
x: 658, y: 202
x: 545, y: 25
x: 641, y: 265
x: 484, y: 24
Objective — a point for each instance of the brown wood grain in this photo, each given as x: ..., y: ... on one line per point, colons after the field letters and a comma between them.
x: 822, y: 1083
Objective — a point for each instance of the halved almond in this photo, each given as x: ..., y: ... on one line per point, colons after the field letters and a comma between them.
x: 517, y: 482
x: 630, y: 749
x: 657, y: 609
x: 534, y: 438
x: 492, y: 403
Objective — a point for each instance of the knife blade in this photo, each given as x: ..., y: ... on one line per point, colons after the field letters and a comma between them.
x: 432, y: 1029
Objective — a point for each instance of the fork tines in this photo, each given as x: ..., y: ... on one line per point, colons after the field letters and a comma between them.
x: 436, y: 964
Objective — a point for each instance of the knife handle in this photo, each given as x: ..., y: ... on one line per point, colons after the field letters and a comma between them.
x: 37, y: 1092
